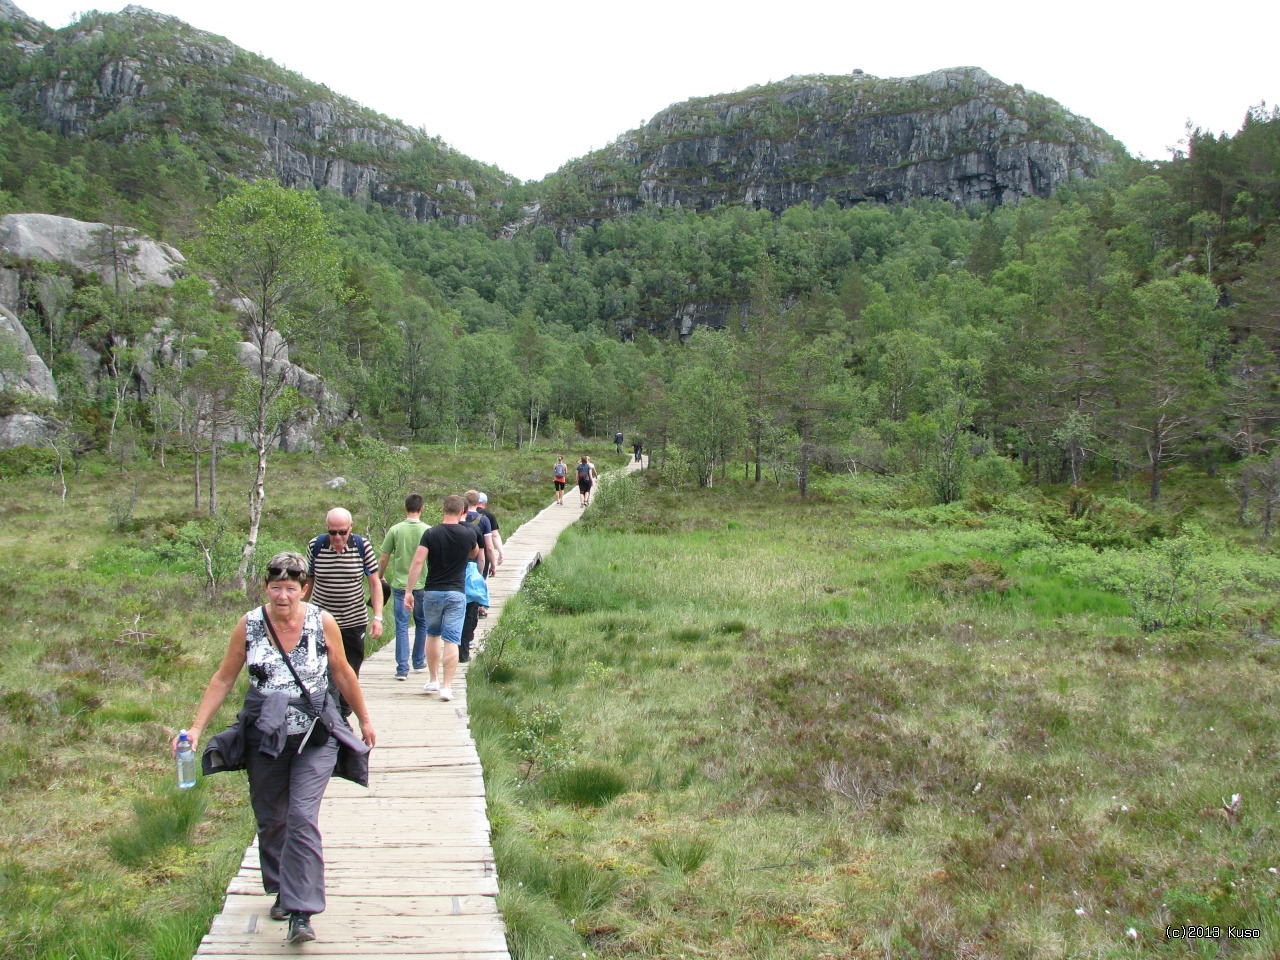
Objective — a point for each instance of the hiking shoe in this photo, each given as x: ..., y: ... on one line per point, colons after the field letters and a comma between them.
x: 278, y: 912
x: 432, y: 686
x: 446, y: 693
x: 402, y: 676
x: 482, y: 612
x: 300, y: 928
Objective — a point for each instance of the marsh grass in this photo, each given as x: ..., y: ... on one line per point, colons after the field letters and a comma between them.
x: 158, y: 822
x: 107, y: 640
x: 893, y: 758
x: 682, y: 854
x: 590, y: 785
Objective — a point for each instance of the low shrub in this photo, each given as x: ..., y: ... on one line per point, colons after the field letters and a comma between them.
x: 24, y: 461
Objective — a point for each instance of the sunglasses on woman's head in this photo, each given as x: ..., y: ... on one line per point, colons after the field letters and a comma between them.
x: 275, y: 572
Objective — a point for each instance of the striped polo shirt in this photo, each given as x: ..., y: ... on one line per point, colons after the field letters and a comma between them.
x: 337, y: 580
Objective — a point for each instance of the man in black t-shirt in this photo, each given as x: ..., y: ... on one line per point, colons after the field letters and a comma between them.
x: 445, y: 549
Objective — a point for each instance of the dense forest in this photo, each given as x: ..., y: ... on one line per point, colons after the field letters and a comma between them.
x: 1128, y: 322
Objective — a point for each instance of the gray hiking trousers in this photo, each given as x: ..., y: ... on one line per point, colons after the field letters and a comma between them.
x: 285, y: 792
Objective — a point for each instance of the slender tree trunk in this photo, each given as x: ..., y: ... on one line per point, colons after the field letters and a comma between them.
x: 257, y: 496
x: 62, y: 478
x: 213, y: 477
x: 1155, y: 454
x: 195, y: 474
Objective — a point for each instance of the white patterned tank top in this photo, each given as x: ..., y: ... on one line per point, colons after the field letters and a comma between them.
x: 310, y: 658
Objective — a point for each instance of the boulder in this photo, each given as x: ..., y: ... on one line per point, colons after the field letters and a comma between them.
x: 25, y: 430
x: 337, y: 483
x: 36, y: 379
x: 89, y: 247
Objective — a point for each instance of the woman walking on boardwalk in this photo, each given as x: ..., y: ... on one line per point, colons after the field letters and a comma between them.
x: 289, y: 735
x: 560, y: 473
x: 584, y: 480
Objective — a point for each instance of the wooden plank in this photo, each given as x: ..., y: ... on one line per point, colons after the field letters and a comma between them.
x: 470, y: 928
x: 389, y: 887
x: 405, y: 871
x: 351, y: 951
x: 411, y: 905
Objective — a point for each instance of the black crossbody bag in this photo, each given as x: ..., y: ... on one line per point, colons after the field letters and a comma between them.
x: 315, y: 714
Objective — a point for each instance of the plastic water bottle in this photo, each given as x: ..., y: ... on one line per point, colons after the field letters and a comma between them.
x: 186, y: 758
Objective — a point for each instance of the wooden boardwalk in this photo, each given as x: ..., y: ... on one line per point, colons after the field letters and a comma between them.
x: 408, y: 865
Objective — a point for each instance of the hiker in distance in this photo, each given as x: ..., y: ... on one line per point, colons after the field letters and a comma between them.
x: 483, y: 507
x: 476, y: 518
x: 584, y: 480
x: 445, y: 550
x: 289, y: 735
x: 560, y: 473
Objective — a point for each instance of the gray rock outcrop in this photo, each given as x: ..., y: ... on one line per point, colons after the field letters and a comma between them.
x: 90, y: 248
x: 75, y: 245
x: 36, y: 379
x: 25, y: 430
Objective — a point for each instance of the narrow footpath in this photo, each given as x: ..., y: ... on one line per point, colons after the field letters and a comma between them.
x: 408, y: 864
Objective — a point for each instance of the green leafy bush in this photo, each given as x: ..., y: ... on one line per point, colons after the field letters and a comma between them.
x: 22, y: 461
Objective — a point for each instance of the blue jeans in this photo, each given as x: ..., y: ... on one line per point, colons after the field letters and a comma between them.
x: 402, y: 632
x: 445, y: 610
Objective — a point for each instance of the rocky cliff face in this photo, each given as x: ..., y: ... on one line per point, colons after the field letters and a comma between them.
x: 141, y: 72
x: 959, y: 135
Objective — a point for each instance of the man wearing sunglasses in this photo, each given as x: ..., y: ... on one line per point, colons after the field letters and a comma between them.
x: 340, y: 564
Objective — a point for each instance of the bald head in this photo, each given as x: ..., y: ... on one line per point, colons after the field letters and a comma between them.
x: 338, y: 518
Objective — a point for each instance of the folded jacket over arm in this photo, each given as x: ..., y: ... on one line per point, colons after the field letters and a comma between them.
x: 268, y: 711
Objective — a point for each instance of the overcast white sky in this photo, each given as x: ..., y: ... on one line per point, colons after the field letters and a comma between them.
x: 528, y: 86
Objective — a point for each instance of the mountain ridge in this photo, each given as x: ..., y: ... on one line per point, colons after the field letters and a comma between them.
x: 956, y: 134
x: 137, y: 73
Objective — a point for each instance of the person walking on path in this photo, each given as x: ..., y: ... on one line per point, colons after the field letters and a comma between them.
x: 291, y: 746
x: 483, y: 507
x: 584, y: 480
x: 397, y: 553
x: 477, y: 594
x: 637, y: 446
x: 339, y: 562
x: 560, y: 473
x: 617, y: 440
x: 445, y: 550
x: 595, y: 479
x: 476, y: 518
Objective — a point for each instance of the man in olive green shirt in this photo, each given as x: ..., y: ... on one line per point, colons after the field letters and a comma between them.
x: 398, y: 548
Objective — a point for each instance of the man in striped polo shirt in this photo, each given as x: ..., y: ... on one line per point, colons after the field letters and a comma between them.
x: 340, y: 563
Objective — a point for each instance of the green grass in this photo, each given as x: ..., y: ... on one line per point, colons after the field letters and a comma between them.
x: 864, y: 729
